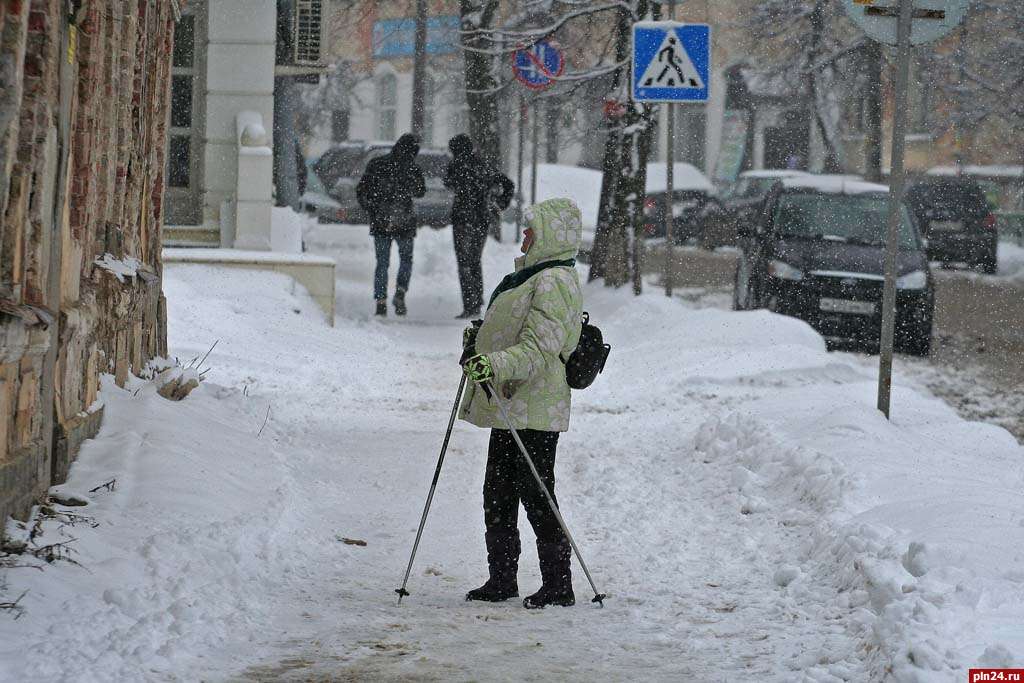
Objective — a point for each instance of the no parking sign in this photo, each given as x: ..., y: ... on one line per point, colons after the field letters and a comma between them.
x: 538, y: 66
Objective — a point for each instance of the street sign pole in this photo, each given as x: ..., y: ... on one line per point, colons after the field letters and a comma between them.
x: 519, y: 169
x: 534, y: 135
x: 670, y: 167
x: 896, y: 182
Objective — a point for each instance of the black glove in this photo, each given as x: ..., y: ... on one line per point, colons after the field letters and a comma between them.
x: 469, y: 341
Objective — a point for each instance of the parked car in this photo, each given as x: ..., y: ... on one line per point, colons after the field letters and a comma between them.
x: 817, y: 253
x: 956, y: 221
x: 740, y: 203
x: 340, y: 168
x: 692, y: 198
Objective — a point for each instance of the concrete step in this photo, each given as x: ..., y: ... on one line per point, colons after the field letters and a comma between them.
x: 190, y: 236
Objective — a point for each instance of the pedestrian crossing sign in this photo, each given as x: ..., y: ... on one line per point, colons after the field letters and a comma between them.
x: 671, y: 61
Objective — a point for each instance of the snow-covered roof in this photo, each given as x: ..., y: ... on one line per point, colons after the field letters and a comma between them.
x: 998, y: 170
x: 685, y: 177
x: 833, y: 184
x: 773, y: 173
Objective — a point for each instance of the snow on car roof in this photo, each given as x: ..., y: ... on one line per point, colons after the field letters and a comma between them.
x: 685, y: 177
x: 972, y: 170
x: 773, y: 173
x: 832, y: 184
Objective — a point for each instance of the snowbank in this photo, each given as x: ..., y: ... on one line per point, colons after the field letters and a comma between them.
x: 185, y: 551
x: 582, y: 185
x: 684, y: 177
x: 729, y: 481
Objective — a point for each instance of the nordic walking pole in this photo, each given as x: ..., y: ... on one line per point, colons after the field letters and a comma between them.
x: 598, y: 596
x: 433, y: 485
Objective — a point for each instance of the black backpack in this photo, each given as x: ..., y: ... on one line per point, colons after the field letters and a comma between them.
x: 587, y: 361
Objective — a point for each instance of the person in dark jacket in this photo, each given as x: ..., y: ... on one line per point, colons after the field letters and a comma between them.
x: 385, y: 192
x: 481, y: 193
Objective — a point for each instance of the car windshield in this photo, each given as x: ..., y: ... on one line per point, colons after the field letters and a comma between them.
x: 752, y: 187
x: 857, y: 219
x: 947, y: 198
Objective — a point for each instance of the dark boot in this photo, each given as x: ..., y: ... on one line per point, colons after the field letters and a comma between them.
x: 503, y: 564
x: 382, y: 307
x: 399, y: 302
x: 555, y: 574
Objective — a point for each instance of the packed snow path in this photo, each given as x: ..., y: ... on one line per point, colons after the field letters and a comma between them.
x: 691, y: 577
x: 731, y: 484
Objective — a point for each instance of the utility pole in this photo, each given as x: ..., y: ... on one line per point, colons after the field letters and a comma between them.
x: 896, y: 182
x: 419, y: 68
x: 873, y: 111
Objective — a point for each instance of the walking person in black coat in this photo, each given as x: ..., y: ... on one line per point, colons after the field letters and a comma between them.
x: 385, y: 192
x: 481, y: 192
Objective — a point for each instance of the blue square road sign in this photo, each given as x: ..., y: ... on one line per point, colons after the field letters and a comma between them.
x: 671, y: 62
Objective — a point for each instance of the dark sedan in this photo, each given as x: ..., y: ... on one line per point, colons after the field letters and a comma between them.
x: 341, y: 167
x: 817, y: 253
x: 956, y: 220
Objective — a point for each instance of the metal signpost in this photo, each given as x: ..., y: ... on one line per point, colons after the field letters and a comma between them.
x: 538, y: 68
x: 671, y: 63
x: 902, y: 23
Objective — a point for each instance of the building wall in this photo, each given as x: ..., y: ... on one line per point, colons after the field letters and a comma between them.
x: 239, y: 54
x: 83, y: 115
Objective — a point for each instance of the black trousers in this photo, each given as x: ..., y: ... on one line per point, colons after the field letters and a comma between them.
x: 469, y: 250
x: 508, y: 481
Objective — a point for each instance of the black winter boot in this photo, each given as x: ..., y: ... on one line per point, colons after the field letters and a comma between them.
x: 503, y: 564
x: 382, y: 307
x: 399, y: 302
x: 555, y: 574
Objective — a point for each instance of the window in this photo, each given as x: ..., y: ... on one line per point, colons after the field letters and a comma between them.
x: 919, y: 100
x: 387, y: 103
x: 179, y: 161
x: 339, y: 125
x: 185, y: 41
x: 181, y: 101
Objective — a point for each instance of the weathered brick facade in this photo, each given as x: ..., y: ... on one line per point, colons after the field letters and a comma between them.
x: 83, y: 116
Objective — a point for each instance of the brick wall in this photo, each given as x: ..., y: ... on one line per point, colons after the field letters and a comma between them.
x: 83, y: 111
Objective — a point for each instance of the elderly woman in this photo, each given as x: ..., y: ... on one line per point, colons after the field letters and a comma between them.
x: 532, y: 322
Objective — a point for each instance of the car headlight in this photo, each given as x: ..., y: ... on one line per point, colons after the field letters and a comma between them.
x: 915, y: 280
x: 784, y: 271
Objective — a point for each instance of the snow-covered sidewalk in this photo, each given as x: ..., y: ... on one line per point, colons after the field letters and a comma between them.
x: 729, y: 481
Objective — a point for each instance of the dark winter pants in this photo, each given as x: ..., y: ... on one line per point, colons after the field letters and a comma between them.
x: 382, y: 247
x: 469, y: 250
x: 508, y: 481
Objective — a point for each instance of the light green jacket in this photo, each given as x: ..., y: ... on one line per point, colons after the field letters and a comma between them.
x: 528, y: 329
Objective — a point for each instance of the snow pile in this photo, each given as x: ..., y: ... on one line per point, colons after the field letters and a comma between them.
x: 1011, y: 260
x: 684, y: 177
x: 582, y: 185
x: 730, y: 483
x: 184, y: 554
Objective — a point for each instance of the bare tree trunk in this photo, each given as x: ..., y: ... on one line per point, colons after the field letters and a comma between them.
x: 873, y: 107
x: 551, y: 123
x: 481, y: 85
x: 419, y: 67
x: 611, y: 166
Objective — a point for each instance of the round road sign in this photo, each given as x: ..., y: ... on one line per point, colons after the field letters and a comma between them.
x: 538, y: 66
x: 932, y: 18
